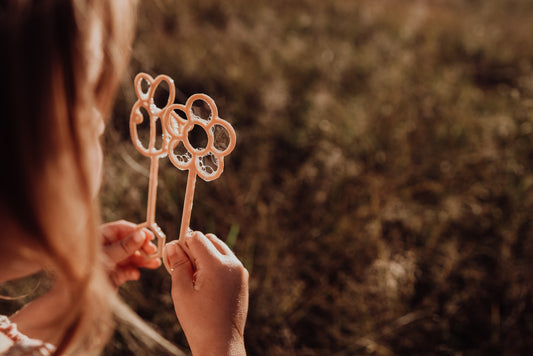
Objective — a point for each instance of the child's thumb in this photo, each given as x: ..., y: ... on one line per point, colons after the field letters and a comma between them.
x: 179, y: 266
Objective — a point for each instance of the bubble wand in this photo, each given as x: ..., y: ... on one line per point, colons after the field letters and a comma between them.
x: 145, y: 103
x: 206, y: 162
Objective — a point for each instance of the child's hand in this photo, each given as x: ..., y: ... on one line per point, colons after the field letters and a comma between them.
x: 210, y: 294
x: 122, y: 241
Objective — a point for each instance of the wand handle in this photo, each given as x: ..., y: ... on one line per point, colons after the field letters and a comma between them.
x: 152, y: 190
x: 187, y: 204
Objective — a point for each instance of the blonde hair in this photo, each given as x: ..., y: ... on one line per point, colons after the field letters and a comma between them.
x: 61, y: 60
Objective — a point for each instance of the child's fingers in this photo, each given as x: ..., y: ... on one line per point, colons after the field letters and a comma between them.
x: 219, y: 244
x: 180, y: 268
x: 116, y: 230
x: 123, y: 275
x: 148, y: 245
x: 124, y: 248
x: 201, y: 248
x: 151, y: 264
x: 149, y: 248
x: 137, y: 260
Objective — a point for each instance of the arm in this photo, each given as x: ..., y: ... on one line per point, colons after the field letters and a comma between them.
x: 210, y: 294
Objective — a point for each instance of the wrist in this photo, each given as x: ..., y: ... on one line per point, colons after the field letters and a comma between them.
x: 233, y: 346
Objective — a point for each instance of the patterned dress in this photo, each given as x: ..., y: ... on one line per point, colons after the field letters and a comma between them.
x: 22, y: 345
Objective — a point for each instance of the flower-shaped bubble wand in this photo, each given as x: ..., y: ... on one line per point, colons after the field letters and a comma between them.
x: 146, y: 109
x: 203, y: 159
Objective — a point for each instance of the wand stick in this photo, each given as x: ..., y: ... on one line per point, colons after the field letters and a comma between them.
x: 187, y: 204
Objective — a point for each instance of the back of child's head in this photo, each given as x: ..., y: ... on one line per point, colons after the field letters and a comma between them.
x: 59, y: 66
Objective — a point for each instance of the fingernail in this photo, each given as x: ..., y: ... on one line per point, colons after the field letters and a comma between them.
x: 147, y: 235
x: 139, y: 237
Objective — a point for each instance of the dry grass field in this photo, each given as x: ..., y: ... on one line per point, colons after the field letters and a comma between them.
x: 381, y: 191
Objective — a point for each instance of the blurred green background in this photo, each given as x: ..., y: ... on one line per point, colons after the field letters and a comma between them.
x: 381, y: 190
